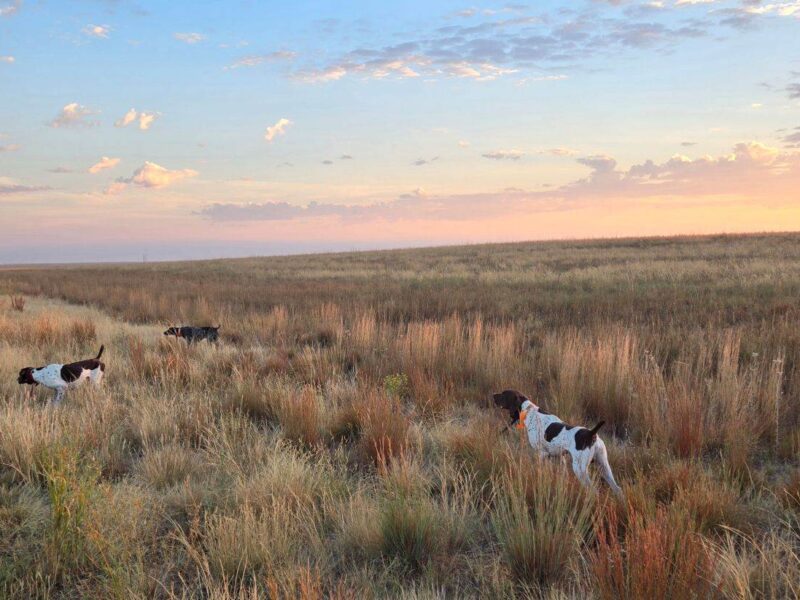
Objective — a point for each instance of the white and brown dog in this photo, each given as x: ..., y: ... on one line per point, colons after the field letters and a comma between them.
x: 550, y: 436
x: 60, y: 377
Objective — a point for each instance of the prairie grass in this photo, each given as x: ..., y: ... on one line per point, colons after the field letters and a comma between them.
x: 341, y: 442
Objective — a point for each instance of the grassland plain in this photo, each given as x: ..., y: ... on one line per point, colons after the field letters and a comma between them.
x: 340, y: 441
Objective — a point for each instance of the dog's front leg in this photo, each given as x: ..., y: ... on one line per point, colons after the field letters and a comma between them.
x: 58, y: 397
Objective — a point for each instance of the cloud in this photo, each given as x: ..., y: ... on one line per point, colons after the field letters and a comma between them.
x: 490, y: 47
x: 8, y: 59
x: 145, y: 119
x: 424, y: 161
x: 558, y: 152
x: 8, y: 9
x: 115, y: 187
x: 327, y: 162
x: 688, y: 144
x: 128, y: 118
x: 751, y: 168
x: 103, y: 164
x: 345, y: 157
x: 751, y: 11
x: 277, y: 129
x: 793, y: 89
x: 405, y: 67
x: 253, y: 60
x: 10, y: 148
x: 599, y: 162
x: 60, y: 170
x: 151, y: 175
x: 751, y: 172
x: 10, y: 186
x: 189, y: 38
x: 792, y: 140
x: 73, y: 115
x: 97, y: 31
x: 463, y: 144
x: 504, y: 154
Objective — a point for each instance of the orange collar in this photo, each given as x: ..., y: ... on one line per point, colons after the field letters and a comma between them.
x: 521, y: 422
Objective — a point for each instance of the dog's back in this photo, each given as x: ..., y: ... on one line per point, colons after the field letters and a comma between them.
x: 194, y: 334
x: 73, y: 371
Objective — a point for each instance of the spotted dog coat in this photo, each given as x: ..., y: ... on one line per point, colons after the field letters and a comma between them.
x: 60, y: 377
x: 194, y: 334
x: 550, y: 436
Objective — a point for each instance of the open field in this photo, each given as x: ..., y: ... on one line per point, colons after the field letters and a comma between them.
x: 340, y: 441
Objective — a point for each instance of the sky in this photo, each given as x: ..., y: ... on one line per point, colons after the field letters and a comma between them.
x: 141, y: 130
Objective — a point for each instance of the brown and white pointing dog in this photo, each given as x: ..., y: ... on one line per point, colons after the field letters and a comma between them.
x: 550, y: 436
x: 60, y: 377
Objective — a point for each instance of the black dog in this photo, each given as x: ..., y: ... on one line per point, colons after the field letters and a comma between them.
x: 195, y: 334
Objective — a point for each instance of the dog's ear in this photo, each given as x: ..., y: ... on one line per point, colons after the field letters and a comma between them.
x: 26, y: 376
x: 510, y: 400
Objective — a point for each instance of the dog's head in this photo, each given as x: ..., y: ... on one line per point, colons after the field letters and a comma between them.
x: 176, y: 331
x: 26, y: 376
x: 510, y: 400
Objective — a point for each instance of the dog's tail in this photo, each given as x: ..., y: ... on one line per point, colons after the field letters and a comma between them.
x: 596, y: 428
x: 99, y: 354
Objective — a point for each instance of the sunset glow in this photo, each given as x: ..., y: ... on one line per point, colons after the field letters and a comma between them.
x: 244, y: 128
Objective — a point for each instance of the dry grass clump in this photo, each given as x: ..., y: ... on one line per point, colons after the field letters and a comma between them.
x: 165, y: 466
x: 541, y: 520
x: 478, y: 447
x: 767, y: 567
x: 300, y: 417
x: 649, y: 556
x: 385, y: 430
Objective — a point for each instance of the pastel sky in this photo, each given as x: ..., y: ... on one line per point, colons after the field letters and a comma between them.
x: 199, y: 129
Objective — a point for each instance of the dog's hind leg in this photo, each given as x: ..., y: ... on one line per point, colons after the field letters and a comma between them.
x: 601, y: 458
x: 581, y: 472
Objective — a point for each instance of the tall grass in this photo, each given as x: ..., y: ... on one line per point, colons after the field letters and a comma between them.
x: 341, y: 441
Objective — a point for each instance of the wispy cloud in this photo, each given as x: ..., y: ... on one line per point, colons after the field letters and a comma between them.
x: 10, y: 148
x: 11, y: 186
x: 73, y: 115
x: 145, y: 119
x: 253, y: 60
x: 504, y: 154
x: 103, y: 164
x: 332, y: 73
x: 558, y: 152
x: 8, y: 59
x: 189, y: 37
x: 420, y: 162
x: 277, y: 129
x: 97, y: 31
x: 8, y: 9
x: 151, y: 175
x: 792, y: 140
x: 490, y: 47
